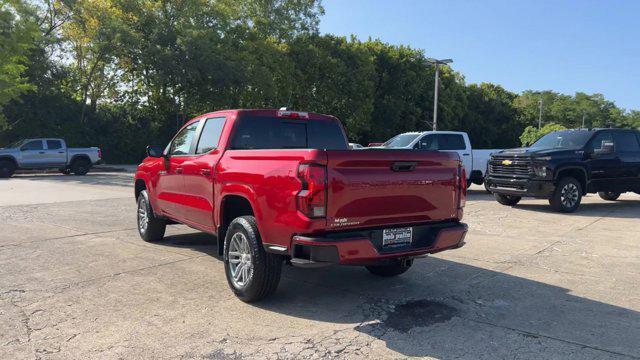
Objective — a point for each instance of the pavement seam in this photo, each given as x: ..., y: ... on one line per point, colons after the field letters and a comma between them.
x: 68, y: 236
x: 70, y: 285
x: 550, y: 337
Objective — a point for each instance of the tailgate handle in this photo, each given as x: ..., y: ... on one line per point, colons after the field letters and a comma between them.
x: 404, y: 166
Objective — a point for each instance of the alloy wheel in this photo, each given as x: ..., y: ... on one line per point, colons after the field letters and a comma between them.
x: 143, y: 219
x: 240, y: 261
x: 569, y: 195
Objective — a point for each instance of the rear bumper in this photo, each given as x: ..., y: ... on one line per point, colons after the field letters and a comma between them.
x: 521, y: 187
x: 365, y: 247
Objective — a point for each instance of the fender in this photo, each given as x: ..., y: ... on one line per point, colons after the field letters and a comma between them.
x: 241, y: 190
x: 587, y: 180
x: 10, y: 158
x: 78, y: 157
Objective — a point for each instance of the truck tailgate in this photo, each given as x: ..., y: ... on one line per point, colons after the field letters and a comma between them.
x: 371, y: 188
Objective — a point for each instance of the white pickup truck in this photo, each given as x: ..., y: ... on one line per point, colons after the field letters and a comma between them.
x: 473, y: 160
x: 47, y: 154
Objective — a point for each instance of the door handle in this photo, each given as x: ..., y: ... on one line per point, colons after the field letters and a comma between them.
x: 40, y: 152
x: 205, y: 172
x: 465, y: 154
x: 179, y: 170
x: 60, y: 152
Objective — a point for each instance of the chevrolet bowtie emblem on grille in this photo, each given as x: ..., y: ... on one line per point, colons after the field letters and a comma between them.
x: 507, y: 162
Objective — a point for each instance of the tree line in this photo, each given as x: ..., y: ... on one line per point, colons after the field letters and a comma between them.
x: 121, y: 74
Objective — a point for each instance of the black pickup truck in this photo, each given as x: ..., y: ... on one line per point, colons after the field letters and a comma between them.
x: 565, y: 165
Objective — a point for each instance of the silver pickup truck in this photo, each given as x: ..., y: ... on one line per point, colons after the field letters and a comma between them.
x: 47, y: 154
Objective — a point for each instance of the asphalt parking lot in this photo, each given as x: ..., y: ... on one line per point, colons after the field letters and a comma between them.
x: 76, y: 281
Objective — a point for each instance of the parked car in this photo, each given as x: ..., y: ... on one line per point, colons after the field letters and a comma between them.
x: 47, y: 153
x: 282, y: 186
x: 473, y: 160
x: 354, y: 146
x: 565, y: 165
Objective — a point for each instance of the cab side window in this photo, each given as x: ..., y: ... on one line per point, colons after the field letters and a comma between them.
x: 210, y: 135
x: 626, y: 142
x: 596, y: 142
x: 33, y: 145
x: 54, y: 144
x: 451, y: 142
x: 428, y: 142
x: 181, y: 144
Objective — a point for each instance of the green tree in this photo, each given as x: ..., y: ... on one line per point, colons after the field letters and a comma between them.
x: 18, y: 32
x: 532, y: 134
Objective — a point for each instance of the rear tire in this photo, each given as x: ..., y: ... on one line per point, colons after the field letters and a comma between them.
x: 395, y: 268
x: 80, y: 166
x: 7, y: 168
x: 609, y: 195
x: 507, y: 200
x: 150, y: 228
x: 567, y: 196
x: 252, y: 273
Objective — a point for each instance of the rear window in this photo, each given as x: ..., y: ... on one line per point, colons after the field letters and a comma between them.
x: 264, y: 132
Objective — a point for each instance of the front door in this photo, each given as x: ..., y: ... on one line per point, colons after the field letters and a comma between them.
x: 32, y: 154
x: 170, y: 187
x: 199, y: 175
x: 604, y: 168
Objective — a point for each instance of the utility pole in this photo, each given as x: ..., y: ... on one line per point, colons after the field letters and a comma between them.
x: 540, y: 114
x: 437, y: 64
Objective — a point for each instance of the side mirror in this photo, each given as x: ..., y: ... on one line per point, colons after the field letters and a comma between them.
x: 154, y: 151
x: 607, y: 148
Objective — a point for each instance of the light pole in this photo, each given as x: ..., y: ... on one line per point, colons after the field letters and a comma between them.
x: 540, y: 114
x: 437, y: 64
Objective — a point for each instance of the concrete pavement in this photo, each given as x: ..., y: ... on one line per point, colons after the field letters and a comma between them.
x: 76, y: 281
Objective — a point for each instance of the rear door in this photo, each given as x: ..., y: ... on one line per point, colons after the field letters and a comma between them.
x: 170, y: 187
x: 378, y: 187
x: 55, y: 153
x: 198, y: 174
x: 628, y: 150
x: 454, y: 143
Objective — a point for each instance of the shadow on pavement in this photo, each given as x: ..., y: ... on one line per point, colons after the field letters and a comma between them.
x: 442, y: 308
x: 109, y: 179
x: 623, y: 209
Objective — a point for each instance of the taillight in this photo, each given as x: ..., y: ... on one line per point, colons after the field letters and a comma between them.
x: 99, y: 154
x: 463, y: 188
x: 312, y: 199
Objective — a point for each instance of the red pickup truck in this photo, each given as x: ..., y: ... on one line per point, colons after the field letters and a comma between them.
x: 282, y: 186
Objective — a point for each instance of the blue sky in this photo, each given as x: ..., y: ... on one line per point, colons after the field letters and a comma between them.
x: 566, y: 46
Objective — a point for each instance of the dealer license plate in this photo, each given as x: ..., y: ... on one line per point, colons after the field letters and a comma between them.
x: 395, y: 237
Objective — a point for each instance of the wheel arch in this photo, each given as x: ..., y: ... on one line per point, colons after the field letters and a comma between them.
x: 577, y: 172
x: 79, y: 157
x: 232, y: 206
x: 10, y: 158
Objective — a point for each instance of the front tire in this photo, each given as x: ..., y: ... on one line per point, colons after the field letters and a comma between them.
x: 609, y: 195
x: 80, y: 166
x: 508, y: 200
x: 252, y: 273
x: 567, y: 196
x: 7, y: 168
x: 395, y: 268
x: 150, y: 228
